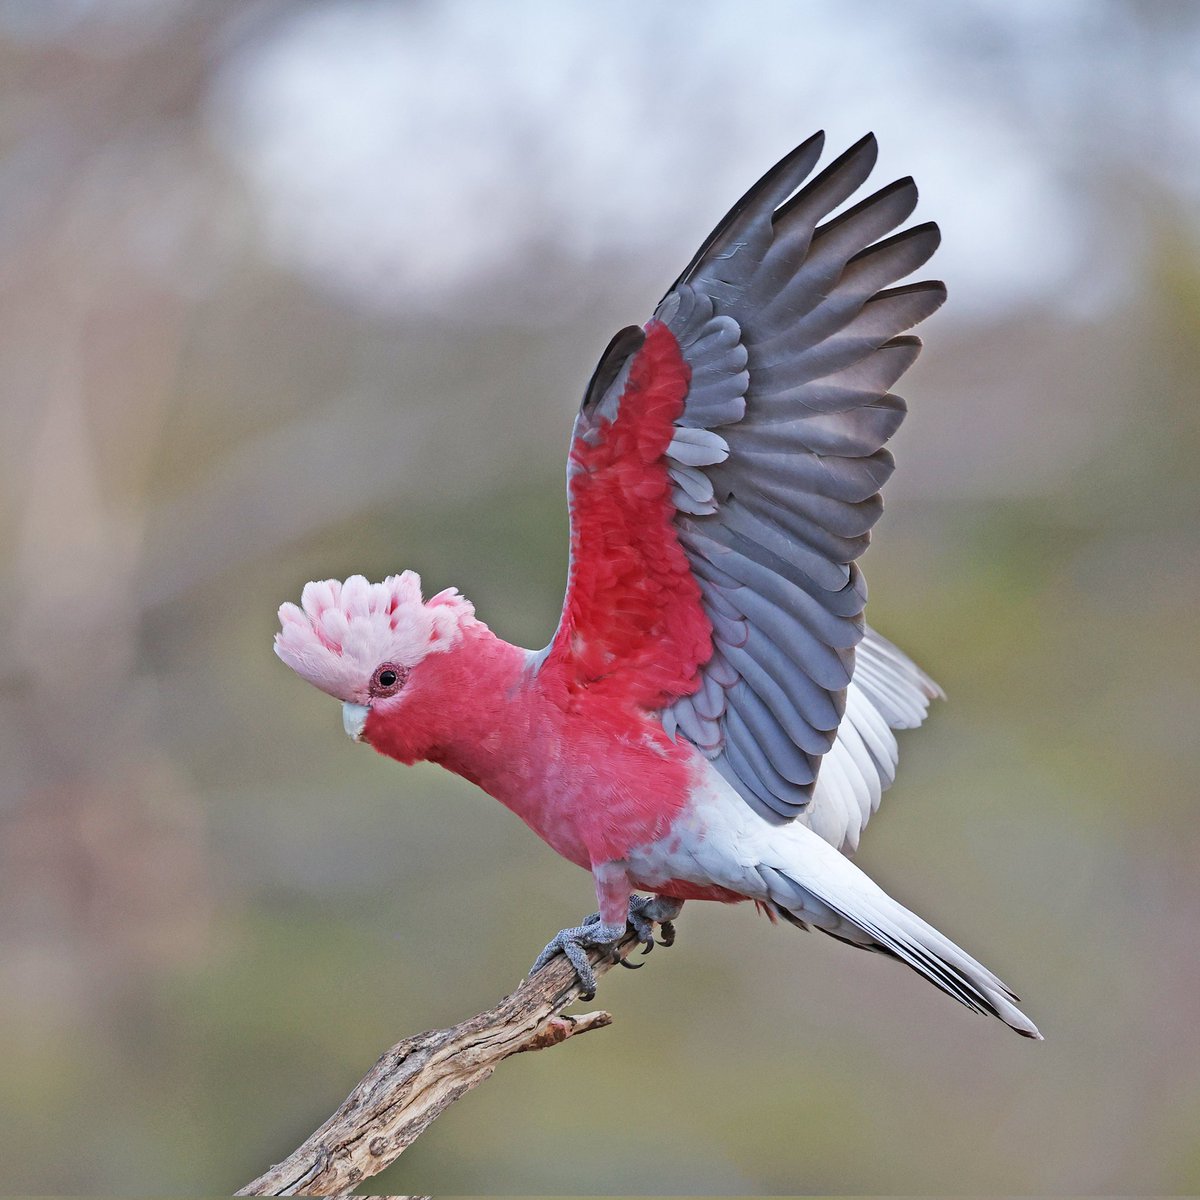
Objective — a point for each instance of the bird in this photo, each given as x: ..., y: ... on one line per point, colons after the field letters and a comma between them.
x: 713, y: 719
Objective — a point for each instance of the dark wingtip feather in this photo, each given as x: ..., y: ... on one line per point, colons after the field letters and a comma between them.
x: 877, y: 199
x: 909, y: 289
x: 624, y: 344
x: 799, y: 162
x: 923, y: 239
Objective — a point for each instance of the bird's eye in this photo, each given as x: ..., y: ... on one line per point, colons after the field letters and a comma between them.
x: 388, y: 680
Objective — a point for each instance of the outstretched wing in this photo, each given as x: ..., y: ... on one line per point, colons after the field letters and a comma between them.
x: 724, y: 476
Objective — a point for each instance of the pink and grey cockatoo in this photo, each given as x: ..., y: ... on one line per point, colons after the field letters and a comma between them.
x: 713, y: 718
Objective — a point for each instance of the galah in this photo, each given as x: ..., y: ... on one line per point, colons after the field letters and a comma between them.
x: 713, y: 719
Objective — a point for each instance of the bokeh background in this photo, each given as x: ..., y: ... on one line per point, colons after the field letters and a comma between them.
x: 290, y: 290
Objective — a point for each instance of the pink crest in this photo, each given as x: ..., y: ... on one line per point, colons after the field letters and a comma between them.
x: 342, y: 631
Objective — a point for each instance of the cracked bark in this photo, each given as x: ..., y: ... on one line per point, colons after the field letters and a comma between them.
x: 415, y: 1081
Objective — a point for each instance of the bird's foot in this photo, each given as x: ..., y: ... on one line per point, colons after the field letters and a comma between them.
x: 647, y: 911
x: 644, y: 913
x: 651, y: 911
x: 575, y: 943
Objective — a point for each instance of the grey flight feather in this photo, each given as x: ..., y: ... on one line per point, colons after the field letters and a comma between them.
x: 794, y: 335
x: 792, y: 324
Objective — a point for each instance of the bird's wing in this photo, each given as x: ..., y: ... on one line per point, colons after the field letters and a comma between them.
x: 724, y: 476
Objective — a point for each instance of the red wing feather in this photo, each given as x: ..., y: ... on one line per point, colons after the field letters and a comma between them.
x: 633, y: 622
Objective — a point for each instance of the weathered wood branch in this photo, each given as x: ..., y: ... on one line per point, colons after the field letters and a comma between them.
x: 415, y: 1081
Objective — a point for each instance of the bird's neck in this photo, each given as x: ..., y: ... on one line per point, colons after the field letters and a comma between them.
x: 469, y: 710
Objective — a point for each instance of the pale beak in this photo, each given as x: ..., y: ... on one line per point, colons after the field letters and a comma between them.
x: 354, y: 717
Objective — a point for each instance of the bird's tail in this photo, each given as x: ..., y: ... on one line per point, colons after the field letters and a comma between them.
x: 831, y: 894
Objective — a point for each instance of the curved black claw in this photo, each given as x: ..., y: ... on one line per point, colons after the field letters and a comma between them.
x: 640, y: 925
x: 645, y: 911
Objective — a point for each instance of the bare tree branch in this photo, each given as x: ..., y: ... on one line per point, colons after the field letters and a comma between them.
x: 415, y: 1081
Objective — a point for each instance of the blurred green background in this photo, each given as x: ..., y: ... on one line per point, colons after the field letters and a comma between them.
x: 292, y: 290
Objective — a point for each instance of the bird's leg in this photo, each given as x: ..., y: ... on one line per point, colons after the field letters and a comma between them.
x: 644, y: 913
x: 619, y: 908
x: 600, y: 929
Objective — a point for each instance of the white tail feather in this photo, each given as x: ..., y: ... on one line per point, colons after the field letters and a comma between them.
x: 822, y: 889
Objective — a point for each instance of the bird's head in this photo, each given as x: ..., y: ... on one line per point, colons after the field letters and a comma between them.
x: 364, y: 642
